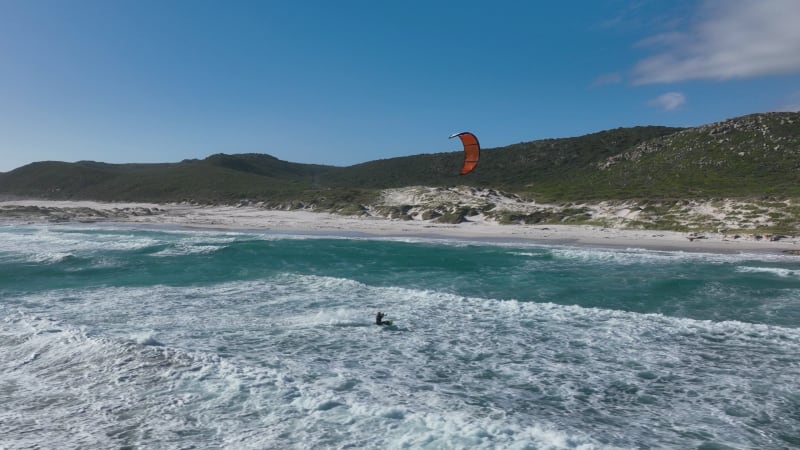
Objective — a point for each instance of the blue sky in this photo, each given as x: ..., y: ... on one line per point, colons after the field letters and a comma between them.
x: 351, y: 81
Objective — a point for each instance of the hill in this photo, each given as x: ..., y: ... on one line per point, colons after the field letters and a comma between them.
x: 216, y: 178
x: 534, y: 166
x: 751, y: 156
x: 755, y: 155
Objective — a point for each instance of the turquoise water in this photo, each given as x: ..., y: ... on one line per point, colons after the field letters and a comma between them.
x: 155, y: 338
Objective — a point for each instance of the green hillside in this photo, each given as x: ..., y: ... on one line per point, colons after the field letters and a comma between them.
x: 754, y: 155
x: 216, y: 178
x: 545, y: 164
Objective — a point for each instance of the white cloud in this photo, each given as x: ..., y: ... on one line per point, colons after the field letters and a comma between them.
x: 791, y: 103
x: 608, y: 78
x: 730, y: 39
x: 669, y: 101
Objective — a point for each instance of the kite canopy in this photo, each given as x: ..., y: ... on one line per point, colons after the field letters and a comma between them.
x: 472, y: 151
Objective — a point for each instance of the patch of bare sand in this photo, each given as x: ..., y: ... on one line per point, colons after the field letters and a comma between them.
x: 254, y: 218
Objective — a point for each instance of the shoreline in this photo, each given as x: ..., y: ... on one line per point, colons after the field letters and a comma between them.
x: 242, y: 218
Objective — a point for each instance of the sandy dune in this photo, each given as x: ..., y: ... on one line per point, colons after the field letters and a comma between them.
x: 254, y: 218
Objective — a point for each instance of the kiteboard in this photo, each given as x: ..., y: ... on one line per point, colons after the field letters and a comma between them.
x: 386, y: 322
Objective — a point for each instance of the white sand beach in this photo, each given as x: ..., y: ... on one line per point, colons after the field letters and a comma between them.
x: 255, y: 218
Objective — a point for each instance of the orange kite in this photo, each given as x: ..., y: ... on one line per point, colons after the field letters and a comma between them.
x: 472, y: 151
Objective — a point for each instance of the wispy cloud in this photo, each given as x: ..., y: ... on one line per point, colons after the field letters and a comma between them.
x: 607, y: 78
x: 669, y: 101
x: 791, y: 103
x: 729, y: 39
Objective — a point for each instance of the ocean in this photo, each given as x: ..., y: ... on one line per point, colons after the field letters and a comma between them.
x: 123, y: 337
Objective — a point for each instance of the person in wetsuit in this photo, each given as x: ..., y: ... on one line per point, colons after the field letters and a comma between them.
x: 379, y: 319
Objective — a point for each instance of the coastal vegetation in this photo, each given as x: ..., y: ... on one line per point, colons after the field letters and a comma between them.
x: 656, y: 171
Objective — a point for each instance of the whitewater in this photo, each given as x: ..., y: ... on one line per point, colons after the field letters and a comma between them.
x: 117, y: 336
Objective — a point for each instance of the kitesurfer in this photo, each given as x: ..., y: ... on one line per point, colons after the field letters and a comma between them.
x: 379, y: 319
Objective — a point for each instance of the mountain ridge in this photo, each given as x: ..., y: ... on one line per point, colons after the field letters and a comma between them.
x: 749, y: 156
